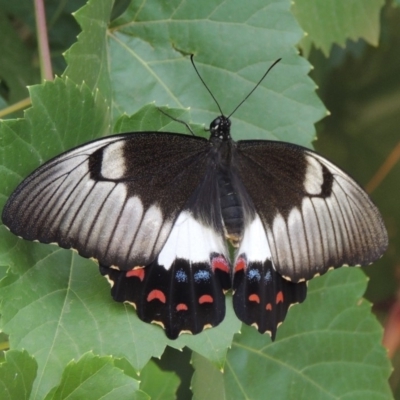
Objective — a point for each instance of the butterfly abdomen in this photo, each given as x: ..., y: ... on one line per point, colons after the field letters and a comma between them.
x: 231, y: 208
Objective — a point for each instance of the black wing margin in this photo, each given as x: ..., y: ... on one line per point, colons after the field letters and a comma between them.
x: 316, y: 217
x: 113, y: 199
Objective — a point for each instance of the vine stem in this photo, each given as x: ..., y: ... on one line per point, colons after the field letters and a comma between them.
x: 43, y: 42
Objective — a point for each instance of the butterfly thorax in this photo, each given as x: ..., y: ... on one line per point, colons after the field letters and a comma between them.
x: 220, y: 128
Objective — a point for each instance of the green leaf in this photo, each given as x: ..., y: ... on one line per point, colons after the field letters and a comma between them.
x: 95, y: 378
x: 329, y: 347
x: 88, y: 58
x: 59, y: 313
x: 284, y: 107
x: 17, y: 374
x: 335, y: 21
x: 206, y: 372
x: 158, y: 384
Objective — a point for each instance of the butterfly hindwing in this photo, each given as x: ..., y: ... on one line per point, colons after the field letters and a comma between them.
x: 315, y: 216
x: 183, y: 288
x: 261, y: 297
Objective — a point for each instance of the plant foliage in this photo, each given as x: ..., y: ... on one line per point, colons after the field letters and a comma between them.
x: 68, y: 338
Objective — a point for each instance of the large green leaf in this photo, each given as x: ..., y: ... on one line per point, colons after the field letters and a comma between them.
x: 145, y: 59
x: 328, y: 22
x: 60, y: 308
x: 328, y: 348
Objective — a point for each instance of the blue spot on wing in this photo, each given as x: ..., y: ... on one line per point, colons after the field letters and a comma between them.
x: 268, y: 276
x: 253, y: 275
x: 181, y: 276
x: 201, y: 276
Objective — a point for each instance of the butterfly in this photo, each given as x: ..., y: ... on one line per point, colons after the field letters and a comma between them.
x: 156, y: 210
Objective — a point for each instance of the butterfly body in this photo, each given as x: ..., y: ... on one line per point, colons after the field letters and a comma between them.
x: 155, y: 209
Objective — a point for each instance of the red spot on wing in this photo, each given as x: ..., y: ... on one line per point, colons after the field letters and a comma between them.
x: 205, y: 298
x: 254, y: 297
x: 136, y: 273
x: 156, y: 295
x: 220, y: 262
x: 279, y: 297
x: 240, y: 264
x: 268, y: 307
x: 181, y: 307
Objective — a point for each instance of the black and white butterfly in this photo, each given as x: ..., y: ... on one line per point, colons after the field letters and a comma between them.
x: 155, y: 209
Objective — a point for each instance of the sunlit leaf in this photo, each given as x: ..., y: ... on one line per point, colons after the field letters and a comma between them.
x: 93, y: 378
x: 334, y: 21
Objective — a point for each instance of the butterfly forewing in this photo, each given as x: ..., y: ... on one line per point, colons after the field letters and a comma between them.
x: 115, y: 199
x: 315, y: 216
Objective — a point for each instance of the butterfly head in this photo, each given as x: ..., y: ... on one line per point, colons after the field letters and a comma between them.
x: 220, y: 128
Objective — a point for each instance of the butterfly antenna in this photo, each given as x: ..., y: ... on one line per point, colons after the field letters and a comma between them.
x: 255, y: 87
x: 177, y: 120
x: 202, y: 80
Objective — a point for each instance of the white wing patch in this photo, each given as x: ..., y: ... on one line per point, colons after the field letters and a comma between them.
x: 314, y: 177
x: 191, y: 240
x: 254, y: 243
x: 113, y: 163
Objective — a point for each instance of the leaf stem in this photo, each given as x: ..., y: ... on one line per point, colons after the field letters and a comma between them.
x: 20, y: 105
x: 43, y: 42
